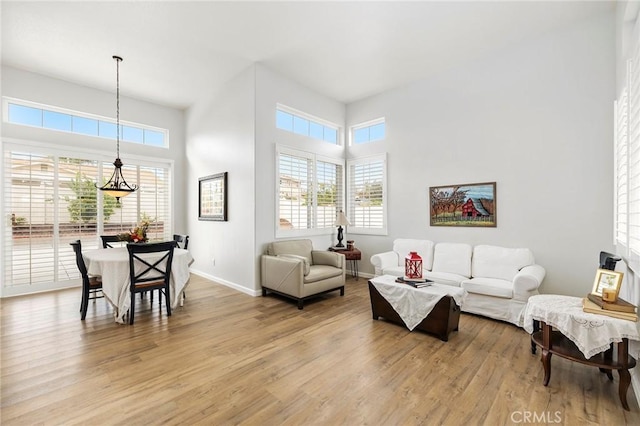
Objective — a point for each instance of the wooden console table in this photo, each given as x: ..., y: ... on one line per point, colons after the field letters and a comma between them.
x: 581, y: 337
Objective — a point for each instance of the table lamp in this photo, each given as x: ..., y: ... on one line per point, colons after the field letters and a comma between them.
x: 341, y: 220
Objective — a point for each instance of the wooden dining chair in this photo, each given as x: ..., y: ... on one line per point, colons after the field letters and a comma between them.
x: 182, y: 240
x: 108, y: 240
x: 148, y: 274
x: 91, y: 285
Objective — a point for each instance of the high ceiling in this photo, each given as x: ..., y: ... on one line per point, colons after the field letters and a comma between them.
x: 174, y: 51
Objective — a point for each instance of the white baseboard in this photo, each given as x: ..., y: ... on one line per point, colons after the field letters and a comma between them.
x: 227, y: 283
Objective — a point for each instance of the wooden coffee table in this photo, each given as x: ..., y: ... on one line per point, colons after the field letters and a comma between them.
x: 442, y: 320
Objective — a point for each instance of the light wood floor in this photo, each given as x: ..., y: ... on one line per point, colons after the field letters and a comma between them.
x: 228, y: 358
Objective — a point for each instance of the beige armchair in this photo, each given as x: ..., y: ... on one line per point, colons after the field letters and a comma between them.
x: 293, y: 269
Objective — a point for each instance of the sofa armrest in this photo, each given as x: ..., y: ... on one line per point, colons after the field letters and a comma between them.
x: 527, y: 281
x: 331, y: 258
x: 384, y: 260
x: 284, y: 274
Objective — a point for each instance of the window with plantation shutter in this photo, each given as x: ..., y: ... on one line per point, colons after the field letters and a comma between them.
x: 51, y: 200
x: 367, y: 210
x: 310, y: 189
x: 627, y: 158
x: 634, y: 151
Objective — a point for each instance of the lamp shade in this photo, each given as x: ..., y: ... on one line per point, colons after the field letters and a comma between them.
x: 341, y: 220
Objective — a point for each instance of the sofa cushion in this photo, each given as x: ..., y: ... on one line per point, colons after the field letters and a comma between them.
x: 403, y: 246
x: 452, y: 258
x: 489, y: 287
x: 298, y: 247
x: 499, y: 262
x: 444, y: 278
x: 321, y: 272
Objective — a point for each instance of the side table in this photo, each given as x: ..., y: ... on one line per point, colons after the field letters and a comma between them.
x: 352, y: 256
x: 582, y: 337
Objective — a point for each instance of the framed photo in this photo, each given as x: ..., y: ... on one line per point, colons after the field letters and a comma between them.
x: 212, y: 197
x: 606, y: 279
x: 472, y: 204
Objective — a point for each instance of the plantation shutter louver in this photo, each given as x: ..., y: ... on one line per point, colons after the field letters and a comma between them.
x: 621, y: 166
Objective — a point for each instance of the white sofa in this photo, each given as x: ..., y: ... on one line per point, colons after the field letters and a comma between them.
x: 498, y: 280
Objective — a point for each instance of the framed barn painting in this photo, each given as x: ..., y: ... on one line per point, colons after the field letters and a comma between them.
x: 212, y: 197
x: 472, y: 204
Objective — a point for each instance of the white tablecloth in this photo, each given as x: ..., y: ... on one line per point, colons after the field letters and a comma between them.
x: 592, y: 333
x: 113, y: 265
x: 414, y: 304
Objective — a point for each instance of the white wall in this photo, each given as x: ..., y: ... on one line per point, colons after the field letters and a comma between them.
x: 271, y: 89
x: 220, y: 138
x: 50, y: 91
x: 537, y: 119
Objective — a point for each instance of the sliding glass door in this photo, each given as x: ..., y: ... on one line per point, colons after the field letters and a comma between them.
x: 50, y: 199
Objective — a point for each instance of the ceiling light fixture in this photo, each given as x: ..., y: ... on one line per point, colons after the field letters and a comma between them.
x: 117, y: 186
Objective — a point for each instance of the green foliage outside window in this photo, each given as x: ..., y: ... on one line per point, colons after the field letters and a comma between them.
x: 84, y: 207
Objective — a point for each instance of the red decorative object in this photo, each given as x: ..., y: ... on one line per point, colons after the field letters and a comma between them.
x: 413, y: 265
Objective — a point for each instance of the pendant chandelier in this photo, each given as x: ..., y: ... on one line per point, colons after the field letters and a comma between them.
x: 116, y: 186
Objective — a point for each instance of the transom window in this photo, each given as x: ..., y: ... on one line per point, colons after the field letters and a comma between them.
x: 368, y: 132
x: 54, y: 118
x: 304, y: 124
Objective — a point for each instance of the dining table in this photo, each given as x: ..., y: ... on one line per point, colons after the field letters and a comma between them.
x: 112, y: 264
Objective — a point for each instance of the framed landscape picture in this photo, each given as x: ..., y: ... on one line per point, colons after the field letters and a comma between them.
x: 472, y: 204
x: 212, y: 197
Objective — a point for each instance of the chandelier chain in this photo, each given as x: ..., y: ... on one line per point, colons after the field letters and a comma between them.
x: 118, y: 105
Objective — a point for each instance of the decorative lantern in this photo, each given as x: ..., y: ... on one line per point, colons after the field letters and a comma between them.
x: 413, y: 265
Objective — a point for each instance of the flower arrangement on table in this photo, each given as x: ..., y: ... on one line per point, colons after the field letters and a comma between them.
x: 137, y: 234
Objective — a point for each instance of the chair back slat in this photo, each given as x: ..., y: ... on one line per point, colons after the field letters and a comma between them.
x: 181, y: 240
x: 108, y: 239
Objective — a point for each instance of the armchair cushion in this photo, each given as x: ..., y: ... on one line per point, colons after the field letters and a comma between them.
x: 305, y: 263
x: 298, y: 247
x: 322, y: 272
